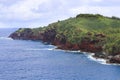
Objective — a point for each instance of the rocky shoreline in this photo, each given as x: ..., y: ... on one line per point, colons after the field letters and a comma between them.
x: 86, y: 45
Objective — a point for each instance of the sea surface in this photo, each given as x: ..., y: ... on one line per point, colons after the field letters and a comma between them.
x: 33, y: 60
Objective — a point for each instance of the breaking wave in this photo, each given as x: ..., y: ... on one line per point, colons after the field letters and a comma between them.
x: 99, y: 60
x: 32, y: 49
x: 5, y: 38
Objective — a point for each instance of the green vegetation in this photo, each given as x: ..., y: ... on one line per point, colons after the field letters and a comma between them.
x: 88, y: 25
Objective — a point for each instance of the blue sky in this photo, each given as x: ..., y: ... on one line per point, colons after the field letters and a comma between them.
x: 35, y: 13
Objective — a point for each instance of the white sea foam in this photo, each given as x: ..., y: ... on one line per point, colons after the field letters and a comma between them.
x: 74, y: 51
x: 50, y: 45
x: 5, y: 38
x: 87, y: 54
x: 32, y: 49
x: 100, y: 60
x: 71, y: 51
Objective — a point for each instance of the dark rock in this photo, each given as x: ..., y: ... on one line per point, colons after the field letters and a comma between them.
x: 115, y: 59
x: 49, y: 35
x: 100, y: 55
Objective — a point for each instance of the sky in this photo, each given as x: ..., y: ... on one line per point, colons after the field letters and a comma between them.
x: 36, y: 13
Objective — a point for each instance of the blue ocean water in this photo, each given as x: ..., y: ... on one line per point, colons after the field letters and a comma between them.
x: 33, y: 60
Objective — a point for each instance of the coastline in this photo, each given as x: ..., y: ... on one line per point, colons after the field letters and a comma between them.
x: 90, y: 56
x: 71, y: 34
x: 83, y: 47
x: 75, y: 38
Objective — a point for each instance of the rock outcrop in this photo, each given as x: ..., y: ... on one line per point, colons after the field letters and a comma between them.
x: 85, y: 32
x: 49, y: 36
x: 115, y: 59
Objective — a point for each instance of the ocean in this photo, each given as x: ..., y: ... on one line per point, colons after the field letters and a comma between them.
x: 34, y: 60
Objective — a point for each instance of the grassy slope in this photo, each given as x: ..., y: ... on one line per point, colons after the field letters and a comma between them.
x: 75, y: 29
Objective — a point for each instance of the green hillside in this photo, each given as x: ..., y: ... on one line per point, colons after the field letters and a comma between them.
x: 89, y: 27
x: 75, y: 29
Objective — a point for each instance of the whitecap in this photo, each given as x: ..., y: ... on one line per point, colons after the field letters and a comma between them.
x: 99, y: 60
x: 5, y: 38
x: 77, y: 51
x: 32, y: 49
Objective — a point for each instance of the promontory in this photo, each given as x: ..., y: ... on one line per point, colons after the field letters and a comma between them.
x: 93, y: 33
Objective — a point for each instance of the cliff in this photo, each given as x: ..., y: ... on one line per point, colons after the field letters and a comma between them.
x: 85, y: 32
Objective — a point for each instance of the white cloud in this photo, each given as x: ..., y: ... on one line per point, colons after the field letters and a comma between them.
x: 36, y: 9
x: 106, y: 11
x: 42, y: 12
x: 22, y: 10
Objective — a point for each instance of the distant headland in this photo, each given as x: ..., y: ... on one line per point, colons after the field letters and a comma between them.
x: 86, y: 32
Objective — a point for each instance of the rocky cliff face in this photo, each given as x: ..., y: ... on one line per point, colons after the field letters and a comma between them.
x: 61, y: 42
x: 49, y: 36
